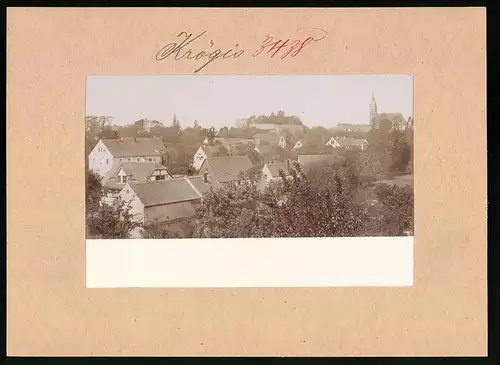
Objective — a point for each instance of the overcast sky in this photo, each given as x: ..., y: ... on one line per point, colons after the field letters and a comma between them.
x: 220, y: 100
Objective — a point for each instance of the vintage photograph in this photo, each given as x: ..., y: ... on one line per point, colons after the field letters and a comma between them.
x: 249, y: 156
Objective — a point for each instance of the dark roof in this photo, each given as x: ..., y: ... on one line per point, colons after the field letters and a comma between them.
x: 140, y: 172
x: 226, y: 169
x: 130, y: 146
x: 274, y: 168
x: 164, y: 192
x: 201, y: 186
x: 395, y: 118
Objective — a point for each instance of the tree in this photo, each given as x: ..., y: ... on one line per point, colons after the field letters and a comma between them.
x: 196, y: 125
x: 291, y: 207
x: 156, y: 228
x: 94, y: 192
x: 255, y: 157
x: 397, y: 211
x: 210, y: 134
x: 400, y: 153
x: 108, y: 133
x: 107, y: 221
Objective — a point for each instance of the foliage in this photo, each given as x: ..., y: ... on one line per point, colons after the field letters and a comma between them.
x: 288, y: 208
x: 278, y: 118
x: 94, y: 192
x: 211, y: 134
x: 156, y: 228
x: 397, y: 202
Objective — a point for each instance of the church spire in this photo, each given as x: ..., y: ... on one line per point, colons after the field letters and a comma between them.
x: 373, y: 109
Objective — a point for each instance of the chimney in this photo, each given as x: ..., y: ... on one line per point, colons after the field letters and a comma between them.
x: 205, y: 177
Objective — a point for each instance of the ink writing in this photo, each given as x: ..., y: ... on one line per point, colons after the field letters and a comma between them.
x: 209, y: 55
x: 188, y: 47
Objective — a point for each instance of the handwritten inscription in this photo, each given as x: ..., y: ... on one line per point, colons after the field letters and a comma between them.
x: 211, y: 54
x: 289, y: 47
x: 184, y: 50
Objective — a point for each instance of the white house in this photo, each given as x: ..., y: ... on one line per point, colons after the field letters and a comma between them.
x: 298, y: 145
x: 333, y: 142
x: 134, y: 172
x: 172, y: 201
x: 348, y: 143
x: 282, y: 142
x: 204, y: 152
x: 109, y: 152
x: 271, y: 172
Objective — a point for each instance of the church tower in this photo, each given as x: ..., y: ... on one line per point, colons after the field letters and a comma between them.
x: 373, y: 110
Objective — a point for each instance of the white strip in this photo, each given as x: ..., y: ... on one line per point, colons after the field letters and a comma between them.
x: 264, y: 262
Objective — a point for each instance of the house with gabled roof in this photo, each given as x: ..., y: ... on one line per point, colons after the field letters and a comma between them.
x: 203, y: 184
x: 134, y: 172
x: 205, y: 151
x: 348, y: 143
x: 267, y: 153
x: 108, y: 152
x: 271, y: 172
x: 270, y: 138
x: 225, y: 169
x: 173, y: 201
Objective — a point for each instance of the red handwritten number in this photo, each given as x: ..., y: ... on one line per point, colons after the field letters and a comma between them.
x: 302, y: 46
x: 290, y: 49
x: 278, y: 48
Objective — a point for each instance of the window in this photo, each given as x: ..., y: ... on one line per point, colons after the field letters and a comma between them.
x: 150, y: 159
x: 124, y: 179
x: 160, y: 177
x: 93, y: 161
x: 107, y: 162
x: 138, y: 159
x: 129, y: 159
x: 121, y: 159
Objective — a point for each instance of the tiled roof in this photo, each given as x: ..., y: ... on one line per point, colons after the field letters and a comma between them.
x: 347, y: 141
x: 210, y: 151
x: 269, y: 137
x: 130, y: 146
x: 266, y: 149
x: 164, y: 192
x: 226, y: 169
x: 239, y: 140
x: 201, y: 186
x: 140, y: 172
x: 307, y: 159
x: 274, y: 168
x: 292, y: 128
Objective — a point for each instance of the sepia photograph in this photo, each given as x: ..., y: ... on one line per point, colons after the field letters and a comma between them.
x: 249, y: 156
